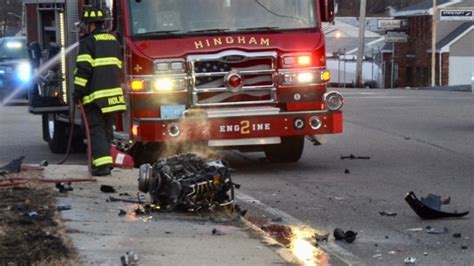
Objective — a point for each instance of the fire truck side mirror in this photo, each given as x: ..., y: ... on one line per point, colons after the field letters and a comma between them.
x: 327, y: 10
x: 34, y: 51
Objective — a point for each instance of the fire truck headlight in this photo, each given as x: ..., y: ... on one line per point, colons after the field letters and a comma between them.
x: 24, y: 72
x: 305, y: 77
x: 164, y: 84
x: 334, y: 100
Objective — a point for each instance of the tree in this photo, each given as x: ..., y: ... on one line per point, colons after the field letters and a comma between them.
x: 10, y: 16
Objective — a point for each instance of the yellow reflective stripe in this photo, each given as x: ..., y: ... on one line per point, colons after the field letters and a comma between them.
x: 102, y: 161
x: 104, y: 37
x: 104, y: 61
x: 107, y: 61
x: 116, y: 108
x: 80, y: 81
x: 85, y: 58
x: 101, y: 94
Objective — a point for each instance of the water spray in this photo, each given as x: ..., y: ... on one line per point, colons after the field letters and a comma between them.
x: 51, y: 62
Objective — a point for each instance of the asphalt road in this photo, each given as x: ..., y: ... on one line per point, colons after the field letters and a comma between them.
x: 419, y: 141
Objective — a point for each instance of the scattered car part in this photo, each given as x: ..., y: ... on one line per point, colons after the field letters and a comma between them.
x: 347, y: 171
x: 434, y: 201
x: 353, y: 157
x: 43, y: 163
x: 128, y: 200
x: 338, y: 234
x: 350, y: 236
x: 63, y: 187
x: 107, y: 189
x: 387, y: 213
x: 122, y: 212
x: 415, y: 229
x: 187, y: 182
x: 457, y: 235
x: 435, y: 231
x: 320, y: 238
x: 14, y: 166
x: 464, y: 247
x: 426, y: 212
x: 217, y: 232
x: 410, y: 260
x: 65, y: 207
x: 129, y: 259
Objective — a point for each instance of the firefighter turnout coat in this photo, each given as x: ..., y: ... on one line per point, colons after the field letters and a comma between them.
x: 97, y: 76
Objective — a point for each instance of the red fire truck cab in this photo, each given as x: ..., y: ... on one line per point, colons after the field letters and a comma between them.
x: 237, y: 74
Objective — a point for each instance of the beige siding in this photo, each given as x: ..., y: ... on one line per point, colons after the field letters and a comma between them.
x: 464, y: 46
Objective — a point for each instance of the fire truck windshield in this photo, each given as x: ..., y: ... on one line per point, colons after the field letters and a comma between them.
x: 182, y: 17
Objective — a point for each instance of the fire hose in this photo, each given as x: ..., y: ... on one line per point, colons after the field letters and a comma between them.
x: 71, y: 133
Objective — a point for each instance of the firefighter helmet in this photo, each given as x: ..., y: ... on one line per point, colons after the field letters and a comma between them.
x: 91, y: 14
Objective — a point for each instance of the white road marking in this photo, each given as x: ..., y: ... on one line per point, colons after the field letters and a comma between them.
x: 331, y: 247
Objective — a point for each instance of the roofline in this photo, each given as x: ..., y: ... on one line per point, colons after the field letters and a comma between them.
x: 423, y: 12
x: 446, y: 47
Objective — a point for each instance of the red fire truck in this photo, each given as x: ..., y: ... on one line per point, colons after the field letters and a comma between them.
x: 235, y: 74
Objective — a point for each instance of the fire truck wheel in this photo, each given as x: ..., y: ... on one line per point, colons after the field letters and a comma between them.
x: 57, y: 135
x: 288, y: 151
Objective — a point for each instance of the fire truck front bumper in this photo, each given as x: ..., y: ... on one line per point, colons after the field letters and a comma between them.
x: 237, y: 127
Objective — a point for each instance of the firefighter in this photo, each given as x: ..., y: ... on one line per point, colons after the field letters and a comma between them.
x: 97, y: 86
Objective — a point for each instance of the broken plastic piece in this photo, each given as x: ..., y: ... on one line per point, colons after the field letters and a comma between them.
x: 64, y: 188
x: 122, y: 212
x: 350, y: 236
x: 217, y: 232
x: 338, y: 234
x: 320, y: 238
x: 107, y: 189
x: 435, y: 231
x: 129, y: 259
x: 387, y: 213
x: 43, y: 163
x: 13, y: 167
x: 410, y: 260
x: 65, y: 207
x: 426, y: 212
x: 457, y: 235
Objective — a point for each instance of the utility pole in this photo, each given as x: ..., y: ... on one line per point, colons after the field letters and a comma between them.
x: 360, y: 50
x: 433, y: 44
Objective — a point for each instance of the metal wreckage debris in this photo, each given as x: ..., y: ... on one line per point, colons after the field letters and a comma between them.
x: 187, y: 182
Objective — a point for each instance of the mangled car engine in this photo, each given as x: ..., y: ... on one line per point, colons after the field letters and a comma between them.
x: 187, y: 182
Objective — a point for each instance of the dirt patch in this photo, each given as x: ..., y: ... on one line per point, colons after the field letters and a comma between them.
x: 30, y: 229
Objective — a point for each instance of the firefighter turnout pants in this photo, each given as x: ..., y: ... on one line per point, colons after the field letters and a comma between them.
x: 101, y: 130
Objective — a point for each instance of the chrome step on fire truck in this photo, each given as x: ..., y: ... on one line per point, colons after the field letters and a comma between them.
x: 235, y: 74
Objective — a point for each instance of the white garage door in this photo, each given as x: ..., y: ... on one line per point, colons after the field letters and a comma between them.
x: 461, y: 70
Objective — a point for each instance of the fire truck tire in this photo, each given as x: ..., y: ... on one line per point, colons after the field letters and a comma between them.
x: 57, y: 134
x: 288, y: 151
x: 145, y: 153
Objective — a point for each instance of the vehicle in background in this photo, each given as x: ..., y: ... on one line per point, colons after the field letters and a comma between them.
x: 15, y: 67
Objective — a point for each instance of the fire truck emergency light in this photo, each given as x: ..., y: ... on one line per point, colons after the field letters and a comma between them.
x: 304, y: 60
x: 297, y: 60
x: 14, y: 45
x: 136, y: 85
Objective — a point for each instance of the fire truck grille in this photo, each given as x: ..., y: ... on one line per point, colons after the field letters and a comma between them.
x: 257, y: 71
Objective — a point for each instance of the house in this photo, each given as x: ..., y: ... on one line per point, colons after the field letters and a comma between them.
x: 454, y: 46
x: 342, y: 39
